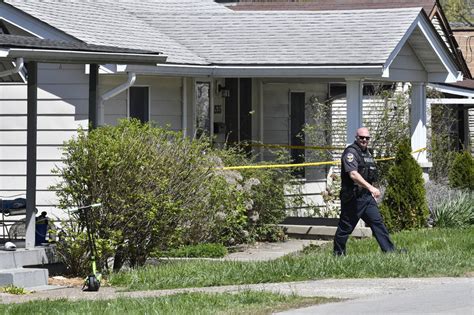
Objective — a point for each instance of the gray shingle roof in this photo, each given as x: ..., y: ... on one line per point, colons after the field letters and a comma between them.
x: 333, y: 37
x: 105, y: 23
x: 203, y: 32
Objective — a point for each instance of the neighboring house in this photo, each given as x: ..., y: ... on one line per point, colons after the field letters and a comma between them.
x: 237, y: 75
x: 464, y: 35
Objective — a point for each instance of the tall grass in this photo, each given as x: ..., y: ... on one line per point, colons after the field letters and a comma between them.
x: 434, y: 252
x: 456, y: 210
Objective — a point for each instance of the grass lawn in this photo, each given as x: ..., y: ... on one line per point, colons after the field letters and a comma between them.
x: 431, y: 253
x: 246, y: 302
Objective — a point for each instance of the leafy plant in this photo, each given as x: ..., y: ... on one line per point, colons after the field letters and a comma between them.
x: 461, y: 174
x: 12, y: 289
x: 455, y: 211
x: 443, y: 144
x: 270, y: 233
x: 404, y: 205
x: 265, y: 189
x: 390, y: 126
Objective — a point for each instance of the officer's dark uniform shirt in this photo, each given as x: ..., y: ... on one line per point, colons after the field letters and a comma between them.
x: 354, y: 159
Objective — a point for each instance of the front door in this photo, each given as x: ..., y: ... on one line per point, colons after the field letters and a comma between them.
x: 297, y: 121
x: 238, y: 107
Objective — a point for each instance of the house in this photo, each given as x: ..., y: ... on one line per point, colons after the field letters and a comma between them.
x: 26, y: 52
x: 237, y: 75
x: 456, y: 39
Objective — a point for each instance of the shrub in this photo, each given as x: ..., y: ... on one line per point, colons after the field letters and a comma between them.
x: 266, y: 190
x: 404, y: 205
x: 209, y: 250
x: 461, y: 174
x: 158, y: 190
x: 390, y: 127
x: 455, y: 211
x: 443, y: 144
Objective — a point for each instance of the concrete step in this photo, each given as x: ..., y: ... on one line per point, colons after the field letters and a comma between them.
x: 321, y: 231
x: 27, y: 257
x: 24, y: 277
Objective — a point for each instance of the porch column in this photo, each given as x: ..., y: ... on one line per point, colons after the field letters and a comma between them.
x: 93, y: 88
x: 31, y: 141
x: 418, y: 121
x: 354, y: 107
x: 184, y: 106
x: 261, y: 115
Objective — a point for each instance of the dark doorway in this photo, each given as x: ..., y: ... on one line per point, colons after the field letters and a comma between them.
x: 139, y: 103
x: 238, y: 107
x: 297, y: 121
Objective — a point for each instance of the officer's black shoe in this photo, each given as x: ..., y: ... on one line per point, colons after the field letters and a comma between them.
x: 339, y: 254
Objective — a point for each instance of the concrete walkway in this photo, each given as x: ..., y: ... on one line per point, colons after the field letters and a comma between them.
x: 269, y: 251
x: 400, y: 296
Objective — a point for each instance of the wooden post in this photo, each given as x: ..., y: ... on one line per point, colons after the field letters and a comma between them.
x: 31, y: 142
x: 93, y: 87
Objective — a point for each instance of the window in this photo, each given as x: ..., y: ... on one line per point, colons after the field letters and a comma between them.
x: 139, y: 103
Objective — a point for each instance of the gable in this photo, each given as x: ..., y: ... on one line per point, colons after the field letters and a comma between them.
x: 407, y: 59
x: 422, y: 45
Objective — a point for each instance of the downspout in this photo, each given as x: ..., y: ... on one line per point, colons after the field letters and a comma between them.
x: 18, y: 66
x: 111, y: 93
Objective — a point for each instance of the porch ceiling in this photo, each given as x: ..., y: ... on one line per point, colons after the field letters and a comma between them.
x: 425, y: 52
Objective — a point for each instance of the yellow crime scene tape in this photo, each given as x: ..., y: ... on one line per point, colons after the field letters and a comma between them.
x: 242, y: 167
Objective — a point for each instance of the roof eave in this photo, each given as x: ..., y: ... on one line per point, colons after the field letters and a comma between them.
x: 69, y: 56
x: 264, y: 71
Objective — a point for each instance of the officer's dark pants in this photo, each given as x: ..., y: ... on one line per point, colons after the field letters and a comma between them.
x: 363, y: 207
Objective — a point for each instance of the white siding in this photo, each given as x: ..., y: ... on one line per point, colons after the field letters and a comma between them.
x: 62, y: 108
x: 407, y: 66
x: 276, y: 109
x: 276, y: 130
x: 165, y: 99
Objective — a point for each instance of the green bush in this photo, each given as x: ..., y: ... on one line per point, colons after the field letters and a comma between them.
x: 265, y: 188
x: 443, y: 144
x: 158, y: 190
x: 404, y: 205
x: 455, y: 211
x: 461, y: 174
x: 208, y: 250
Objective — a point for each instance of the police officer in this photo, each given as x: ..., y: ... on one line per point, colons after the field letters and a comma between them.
x: 358, y: 173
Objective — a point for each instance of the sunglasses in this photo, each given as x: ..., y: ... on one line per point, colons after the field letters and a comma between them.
x: 363, y: 138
